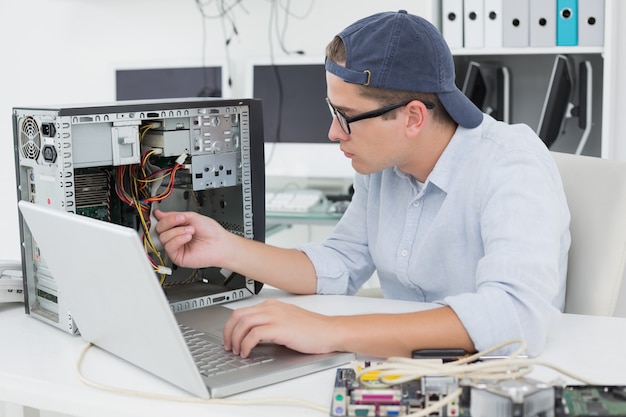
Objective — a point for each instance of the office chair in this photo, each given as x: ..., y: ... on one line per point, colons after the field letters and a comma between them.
x: 596, y: 194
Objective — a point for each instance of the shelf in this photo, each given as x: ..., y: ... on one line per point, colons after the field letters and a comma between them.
x: 579, y: 50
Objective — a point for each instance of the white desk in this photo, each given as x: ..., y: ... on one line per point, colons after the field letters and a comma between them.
x: 37, y: 365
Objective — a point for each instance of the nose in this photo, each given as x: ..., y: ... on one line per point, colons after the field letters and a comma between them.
x: 335, y: 132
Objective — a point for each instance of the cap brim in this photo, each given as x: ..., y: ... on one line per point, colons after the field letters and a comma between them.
x: 461, y: 108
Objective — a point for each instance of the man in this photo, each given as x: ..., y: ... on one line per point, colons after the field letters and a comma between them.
x: 449, y: 207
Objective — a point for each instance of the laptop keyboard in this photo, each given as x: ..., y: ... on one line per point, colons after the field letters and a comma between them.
x: 212, y: 359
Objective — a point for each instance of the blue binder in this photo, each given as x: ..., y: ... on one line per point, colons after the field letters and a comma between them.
x: 567, y: 22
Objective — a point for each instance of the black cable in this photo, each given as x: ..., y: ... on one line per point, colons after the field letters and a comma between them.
x: 279, y: 84
x: 280, y: 34
x: 224, y: 12
x: 226, y: 43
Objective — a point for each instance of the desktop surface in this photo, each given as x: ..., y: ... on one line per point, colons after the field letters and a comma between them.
x: 318, y: 215
x: 328, y: 198
x: 41, y: 370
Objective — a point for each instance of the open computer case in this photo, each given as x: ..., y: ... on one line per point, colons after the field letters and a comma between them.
x: 117, y: 162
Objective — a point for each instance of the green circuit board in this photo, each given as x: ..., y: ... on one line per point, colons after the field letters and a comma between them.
x: 600, y: 401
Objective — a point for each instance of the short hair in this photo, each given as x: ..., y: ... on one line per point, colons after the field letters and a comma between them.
x: 336, y: 52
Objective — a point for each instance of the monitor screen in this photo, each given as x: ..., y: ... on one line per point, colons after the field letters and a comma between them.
x: 559, y: 104
x: 293, y: 97
x: 557, y: 101
x: 584, y: 110
x: 502, y: 108
x: 296, y: 118
x: 156, y: 83
x: 488, y: 86
x: 585, y: 85
x: 474, y: 85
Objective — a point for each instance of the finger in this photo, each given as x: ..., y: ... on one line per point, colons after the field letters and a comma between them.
x: 183, y: 234
x: 227, y: 332
x: 234, y: 319
x: 175, y: 239
x: 255, y: 336
x: 232, y: 338
x: 169, y: 220
x: 240, y: 324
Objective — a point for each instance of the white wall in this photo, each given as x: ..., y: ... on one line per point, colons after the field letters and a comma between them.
x: 66, y: 52
x: 619, y: 99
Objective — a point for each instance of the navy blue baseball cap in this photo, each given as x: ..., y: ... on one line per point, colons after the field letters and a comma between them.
x: 401, y: 51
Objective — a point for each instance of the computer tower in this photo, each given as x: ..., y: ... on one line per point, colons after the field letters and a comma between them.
x: 116, y: 162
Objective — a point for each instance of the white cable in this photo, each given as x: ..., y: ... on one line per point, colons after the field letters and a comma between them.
x: 397, y: 370
x: 394, y: 371
x: 218, y: 401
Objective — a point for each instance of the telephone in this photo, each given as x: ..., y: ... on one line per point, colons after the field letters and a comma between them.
x: 11, y: 285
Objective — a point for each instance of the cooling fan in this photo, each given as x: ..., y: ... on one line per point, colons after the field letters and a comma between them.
x: 30, y: 138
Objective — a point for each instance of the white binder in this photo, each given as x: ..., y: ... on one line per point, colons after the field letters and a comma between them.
x: 452, y: 22
x: 474, y: 23
x: 590, y: 22
x: 516, y: 26
x: 493, y: 23
x: 542, y: 22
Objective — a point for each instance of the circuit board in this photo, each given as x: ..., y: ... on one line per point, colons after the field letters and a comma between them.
x: 449, y: 397
x: 351, y: 398
x: 585, y: 400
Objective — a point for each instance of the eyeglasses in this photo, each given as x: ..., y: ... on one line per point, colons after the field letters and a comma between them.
x: 345, y: 121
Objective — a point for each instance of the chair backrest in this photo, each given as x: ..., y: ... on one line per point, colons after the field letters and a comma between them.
x: 596, y: 194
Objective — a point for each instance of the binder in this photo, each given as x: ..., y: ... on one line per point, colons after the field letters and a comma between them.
x: 452, y: 22
x: 590, y: 22
x: 567, y: 22
x: 542, y: 22
x: 516, y: 28
x: 493, y: 23
x: 473, y: 23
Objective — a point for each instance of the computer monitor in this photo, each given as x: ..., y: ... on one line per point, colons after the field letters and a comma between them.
x: 488, y: 86
x: 502, y: 106
x: 294, y: 106
x: 558, y: 105
x: 585, y: 104
x: 296, y: 118
x: 475, y: 85
x: 158, y: 83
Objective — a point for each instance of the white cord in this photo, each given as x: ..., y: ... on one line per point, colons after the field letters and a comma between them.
x: 394, y: 371
x: 219, y: 401
x: 397, y: 370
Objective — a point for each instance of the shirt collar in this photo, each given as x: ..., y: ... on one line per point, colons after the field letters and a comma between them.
x: 463, y: 141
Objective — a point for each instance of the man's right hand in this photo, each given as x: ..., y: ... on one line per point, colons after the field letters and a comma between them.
x: 190, y: 239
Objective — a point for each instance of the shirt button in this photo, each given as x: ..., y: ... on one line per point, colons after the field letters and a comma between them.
x: 416, y: 203
x: 404, y: 252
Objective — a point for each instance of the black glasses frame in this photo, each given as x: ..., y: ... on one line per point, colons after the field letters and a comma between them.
x: 345, y: 121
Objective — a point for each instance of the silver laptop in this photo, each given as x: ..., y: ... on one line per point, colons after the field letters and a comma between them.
x: 118, y: 305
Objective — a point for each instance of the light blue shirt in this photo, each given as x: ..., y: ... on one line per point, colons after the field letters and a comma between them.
x: 486, y: 234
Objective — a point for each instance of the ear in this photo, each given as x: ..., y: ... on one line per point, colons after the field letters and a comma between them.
x: 418, y: 117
